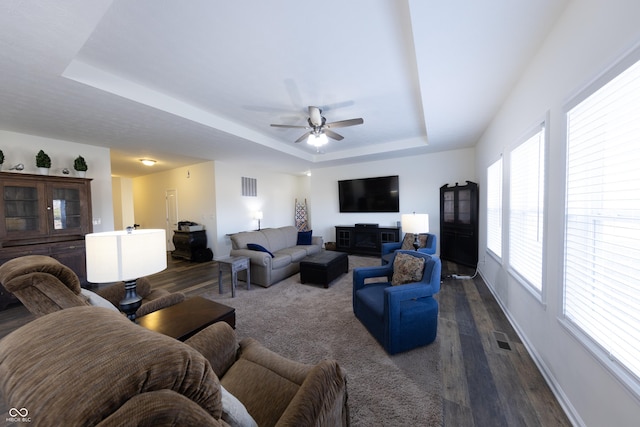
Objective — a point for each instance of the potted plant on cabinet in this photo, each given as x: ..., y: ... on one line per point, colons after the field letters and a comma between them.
x: 43, y: 162
x: 1, y: 159
x: 80, y: 165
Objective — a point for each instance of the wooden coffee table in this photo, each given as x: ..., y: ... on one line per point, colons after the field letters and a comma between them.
x: 185, y: 319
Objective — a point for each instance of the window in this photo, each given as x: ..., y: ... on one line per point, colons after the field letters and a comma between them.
x: 602, y: 220
x: 494, y: 208
x: 526, y: 209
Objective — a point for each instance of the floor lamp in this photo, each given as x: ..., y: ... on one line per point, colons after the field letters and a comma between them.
x: 416, y: 224
x: 116, y: 256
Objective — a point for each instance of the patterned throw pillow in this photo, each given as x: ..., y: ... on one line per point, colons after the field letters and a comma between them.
x: 407, y: 269
x: 409, y: 238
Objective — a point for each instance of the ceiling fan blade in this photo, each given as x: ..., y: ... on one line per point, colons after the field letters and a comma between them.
x: 289, y: 126
x: 331, y: 134
x: 345, y: 123
x: 303, y: 137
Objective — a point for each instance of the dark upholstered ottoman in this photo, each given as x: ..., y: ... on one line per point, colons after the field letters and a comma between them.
x: 322, y: 268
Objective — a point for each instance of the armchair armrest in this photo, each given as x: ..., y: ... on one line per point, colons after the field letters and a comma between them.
x: 162, y: 301
x: 218, y: 344
x: 390, y: 247
x: 361, y: 273
x: 326, y: 379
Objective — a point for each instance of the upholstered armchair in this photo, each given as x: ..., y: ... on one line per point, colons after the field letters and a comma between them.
x: 427, y: 244
x: 399, y: 311
x: 45, y: 285
x: 88, y: 366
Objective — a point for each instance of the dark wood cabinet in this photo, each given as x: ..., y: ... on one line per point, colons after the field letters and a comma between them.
x: 459, y: 223
x: 366, y: 239
x: 191, y: 245
x: 44, y: 215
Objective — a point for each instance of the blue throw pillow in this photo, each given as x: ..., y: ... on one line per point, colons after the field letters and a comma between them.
x: 257, y: 247
x: 304, y: 237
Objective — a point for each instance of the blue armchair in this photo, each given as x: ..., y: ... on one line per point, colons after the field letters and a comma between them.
x: 427, y: 244
x: 399, y: 317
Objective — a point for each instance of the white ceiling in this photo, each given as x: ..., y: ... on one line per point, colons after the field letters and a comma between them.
x: 184, y: 82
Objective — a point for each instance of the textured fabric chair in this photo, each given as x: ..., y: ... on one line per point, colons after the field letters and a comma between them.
x: 45, y: 285
x: 400, y: 311
x: 427, y: 244
x: 88, y: 366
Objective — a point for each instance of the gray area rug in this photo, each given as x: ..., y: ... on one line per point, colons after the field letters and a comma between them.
x: 308, y: 323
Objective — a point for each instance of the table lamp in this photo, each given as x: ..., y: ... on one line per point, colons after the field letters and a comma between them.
x: 416, y: 224
x: 126, y: 255
x: 258, y: 216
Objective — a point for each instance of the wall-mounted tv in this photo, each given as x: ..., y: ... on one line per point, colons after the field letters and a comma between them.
x: 369, y: 194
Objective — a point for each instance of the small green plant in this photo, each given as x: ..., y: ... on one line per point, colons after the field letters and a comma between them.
x: 43, y: 160
x: 1, y: 157
x: 80, y: 164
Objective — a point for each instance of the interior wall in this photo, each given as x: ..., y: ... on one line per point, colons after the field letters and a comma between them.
x: 276, y: 195
x: 420, y: 179
x: 194, y: 186
x: 22, y: 148
x: 123, y: 212
x: 589, y: 38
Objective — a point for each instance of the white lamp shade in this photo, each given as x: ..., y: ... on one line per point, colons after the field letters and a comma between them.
x: 258, y: 215
x: 415, y: 223
x: 115, y: 256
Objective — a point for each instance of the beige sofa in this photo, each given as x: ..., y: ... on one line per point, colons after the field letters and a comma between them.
x: 282, y: 244
x: 87, y: 366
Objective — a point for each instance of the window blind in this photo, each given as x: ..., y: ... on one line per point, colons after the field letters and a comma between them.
x: 494, y: 208
x: 526, y: 209
x: 602, y: 219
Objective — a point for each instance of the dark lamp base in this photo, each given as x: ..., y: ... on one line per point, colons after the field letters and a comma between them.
x: 131, y: 301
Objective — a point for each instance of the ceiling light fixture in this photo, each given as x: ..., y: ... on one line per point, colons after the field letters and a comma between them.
x: 148, y: 162
x: 317, y: 140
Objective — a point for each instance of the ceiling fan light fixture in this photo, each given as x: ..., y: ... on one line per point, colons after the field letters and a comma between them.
x: 148, y: 162
x: 317, y: 140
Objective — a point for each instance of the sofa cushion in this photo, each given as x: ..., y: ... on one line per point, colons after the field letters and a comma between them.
x: 297, y: 253
x: 407, y: 269
x: 281, y: 259
x: 304, y: 237
x: 96, y: 300
x: 257, y: 247
x: 240, y: 240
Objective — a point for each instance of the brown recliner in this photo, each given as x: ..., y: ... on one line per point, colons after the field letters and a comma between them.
x: 44, y: 285
x: 92, y: 366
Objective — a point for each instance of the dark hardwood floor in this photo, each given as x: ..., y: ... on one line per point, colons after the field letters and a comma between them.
x: 488, y: 377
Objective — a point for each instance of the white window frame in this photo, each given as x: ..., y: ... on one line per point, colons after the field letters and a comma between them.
x: 494, y: 208
x: 617, y: 275
x: 518, y: 267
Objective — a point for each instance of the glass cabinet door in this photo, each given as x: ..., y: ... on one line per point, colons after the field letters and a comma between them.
x: 65, y: 209
x: 22, y: 207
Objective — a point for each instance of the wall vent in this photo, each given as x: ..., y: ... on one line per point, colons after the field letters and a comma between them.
x: 249, y: 187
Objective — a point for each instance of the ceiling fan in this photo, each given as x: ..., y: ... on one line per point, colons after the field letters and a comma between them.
x: 320, y: 129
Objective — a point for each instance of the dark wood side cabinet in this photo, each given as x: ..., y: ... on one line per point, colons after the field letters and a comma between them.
x: 189, y: 244
x: 364, y: 239
x: 459, y: 223
x: 44, y: 215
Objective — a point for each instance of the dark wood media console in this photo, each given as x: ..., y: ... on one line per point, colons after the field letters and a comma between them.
x: 364, y: 239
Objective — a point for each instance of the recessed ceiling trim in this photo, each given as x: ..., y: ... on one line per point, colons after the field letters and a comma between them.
x: 90, y: 75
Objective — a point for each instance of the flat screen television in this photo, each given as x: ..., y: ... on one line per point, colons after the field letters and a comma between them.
x: 378, y: 194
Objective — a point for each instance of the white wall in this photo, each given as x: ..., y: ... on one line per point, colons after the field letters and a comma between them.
x: 588, y: 38
x: 420, y: 179
x: 195, y: 189
x: 22, y: 148
x: 276, y: 195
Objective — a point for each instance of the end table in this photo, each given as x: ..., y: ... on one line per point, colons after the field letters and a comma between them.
x: 233, y: 265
